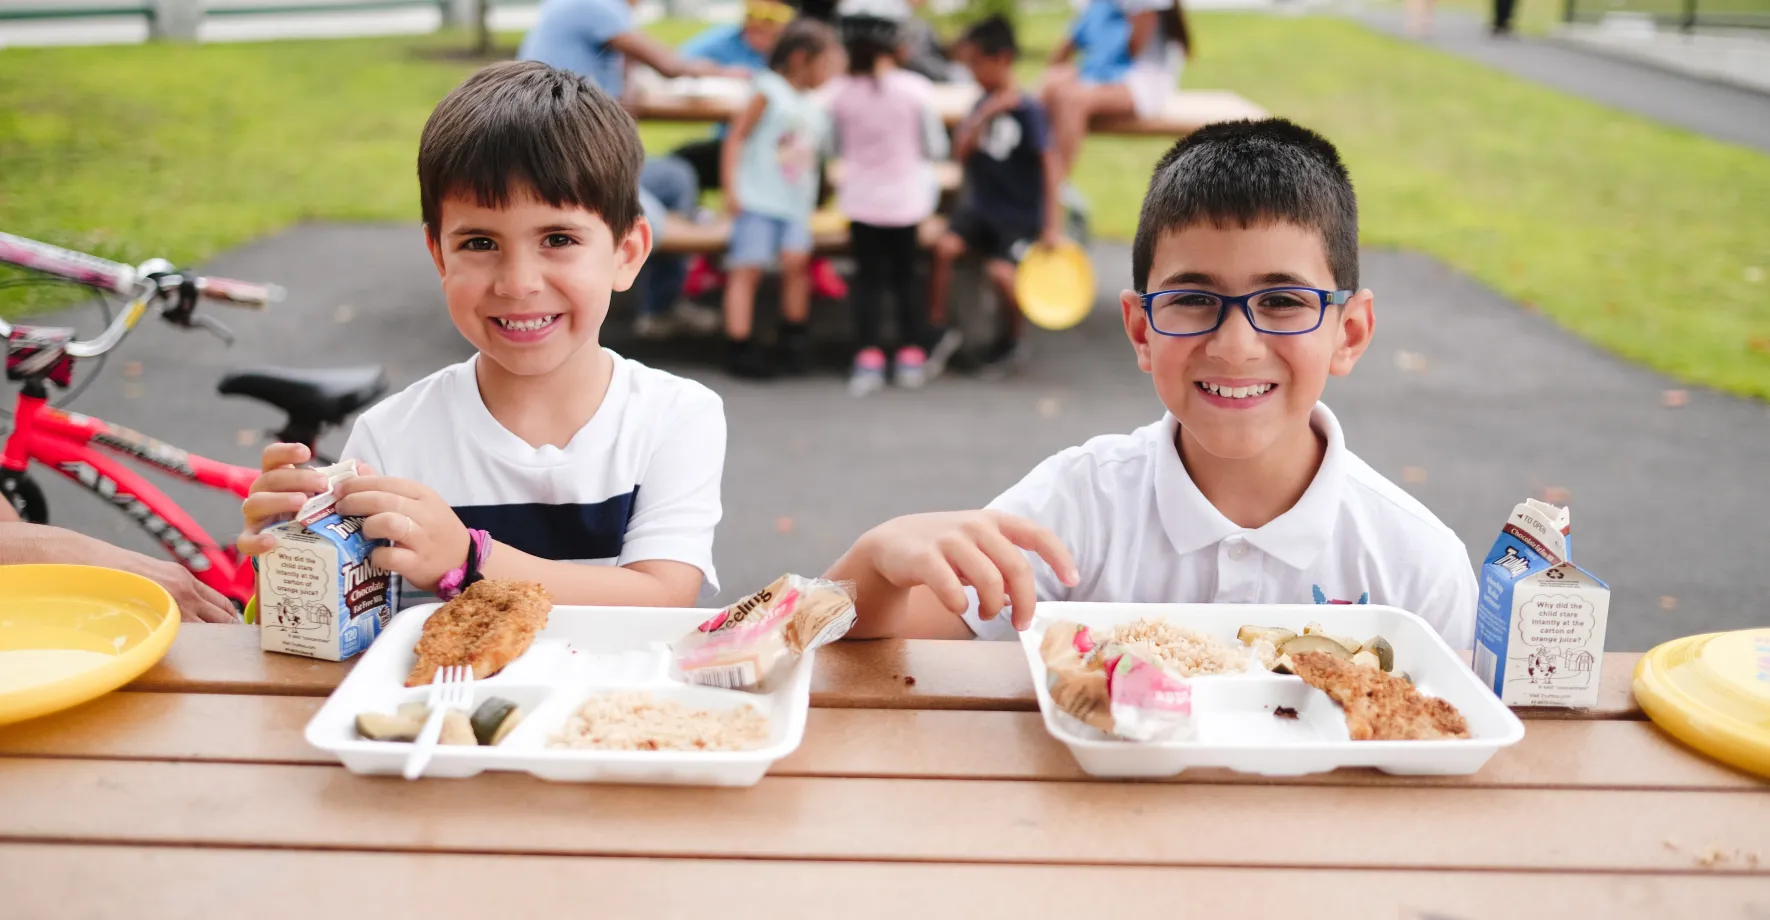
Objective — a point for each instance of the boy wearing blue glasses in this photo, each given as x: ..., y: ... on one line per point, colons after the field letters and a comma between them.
x: 1246, y: 261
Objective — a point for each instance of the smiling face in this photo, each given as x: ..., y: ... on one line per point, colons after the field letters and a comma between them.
x: 529, y: 283
x: 1239, y: 393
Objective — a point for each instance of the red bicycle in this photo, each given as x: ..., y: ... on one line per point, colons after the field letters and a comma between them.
x: 87, y: 450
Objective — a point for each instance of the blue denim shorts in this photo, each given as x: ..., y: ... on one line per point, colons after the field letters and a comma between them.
x: 757, y: 240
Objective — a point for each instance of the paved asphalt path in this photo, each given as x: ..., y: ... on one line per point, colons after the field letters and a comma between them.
x: 1470, y: 401
x: 1721, y: 111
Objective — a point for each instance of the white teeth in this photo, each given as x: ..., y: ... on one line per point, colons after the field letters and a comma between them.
x: 1259, y: 389
x: 526, y: 325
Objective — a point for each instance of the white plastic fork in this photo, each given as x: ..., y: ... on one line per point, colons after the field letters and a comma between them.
x: 450, y: 688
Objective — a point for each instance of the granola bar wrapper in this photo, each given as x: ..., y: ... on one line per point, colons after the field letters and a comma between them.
x: 1147, y: 701
x: 1114, y: 688
x: 753, y: 643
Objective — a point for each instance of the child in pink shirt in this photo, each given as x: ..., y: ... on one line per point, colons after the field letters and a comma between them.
x: 889, y: 137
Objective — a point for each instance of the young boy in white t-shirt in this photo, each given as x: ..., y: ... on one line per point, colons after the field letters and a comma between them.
x: 1247, y: 300
x: 544, y: 450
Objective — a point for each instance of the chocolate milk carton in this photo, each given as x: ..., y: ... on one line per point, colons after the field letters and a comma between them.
x: 1539, y: 627
x: 318, y: 594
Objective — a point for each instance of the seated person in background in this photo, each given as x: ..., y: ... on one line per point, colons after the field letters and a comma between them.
x: 597, y: 39
x: 770, y: 164
x: 889, y: 137
x: 558, y: 460
x: 36, y: 544
x: 1009, y: 200
x: 1247, y: 301
x: 1132, y: 52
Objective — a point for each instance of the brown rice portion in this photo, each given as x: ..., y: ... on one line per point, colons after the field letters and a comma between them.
x: 638, y: 721
x: 1181, y: 650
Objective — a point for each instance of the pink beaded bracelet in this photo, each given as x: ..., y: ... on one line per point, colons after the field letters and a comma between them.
x: 479, y: 549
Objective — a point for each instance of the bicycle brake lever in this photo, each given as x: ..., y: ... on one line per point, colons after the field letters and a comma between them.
x: 214, y: 327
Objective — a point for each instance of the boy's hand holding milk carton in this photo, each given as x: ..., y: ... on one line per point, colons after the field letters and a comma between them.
x: 1539, y: 626
x: 318, y: 594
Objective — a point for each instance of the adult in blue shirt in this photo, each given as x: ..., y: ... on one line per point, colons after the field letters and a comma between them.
x: 596, y: 39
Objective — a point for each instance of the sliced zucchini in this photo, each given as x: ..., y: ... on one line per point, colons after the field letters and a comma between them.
x: 1368, y: 660
x: 1314, y: 643
x: 456, y: 729
x: 1314, y: 629
x: 379, y: 726
x: 1404, y: 676
x: 416, y: 712
x: 1282, y: 665
x: 494, y: 719
x: 1385, y: 652
x: 1349, y: 644
x: 1272, y: 634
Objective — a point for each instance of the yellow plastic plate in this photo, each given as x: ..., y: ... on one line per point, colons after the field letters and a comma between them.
x: 1055, y: 286
x: 1712, y: 692
x: 70, y: 633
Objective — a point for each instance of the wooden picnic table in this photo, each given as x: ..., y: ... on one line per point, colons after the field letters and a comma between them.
x: 1186, y: 110
x: 926, y: 783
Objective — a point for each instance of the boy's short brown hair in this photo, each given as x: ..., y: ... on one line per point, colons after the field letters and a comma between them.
x: 1244, y: 173
x: 523, y: 123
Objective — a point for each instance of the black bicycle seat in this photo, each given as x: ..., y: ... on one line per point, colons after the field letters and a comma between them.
x: 324, y: 395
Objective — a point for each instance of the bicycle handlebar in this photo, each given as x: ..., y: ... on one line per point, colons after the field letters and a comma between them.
x: 66, y: 263
x: 151, y: 279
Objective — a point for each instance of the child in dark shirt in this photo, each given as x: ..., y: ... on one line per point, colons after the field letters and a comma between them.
x: 1010, y: 198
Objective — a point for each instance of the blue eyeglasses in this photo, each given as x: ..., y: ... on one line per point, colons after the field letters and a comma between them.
x: 1273, y: 311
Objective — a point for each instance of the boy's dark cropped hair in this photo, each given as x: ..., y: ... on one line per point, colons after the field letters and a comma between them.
x: 992, y: 36
x: 524, y: 126
x: 1248, y: 173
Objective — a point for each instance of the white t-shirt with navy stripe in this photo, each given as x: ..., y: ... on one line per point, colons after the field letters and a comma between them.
x: 639, y: 481
x: 1140, y: 531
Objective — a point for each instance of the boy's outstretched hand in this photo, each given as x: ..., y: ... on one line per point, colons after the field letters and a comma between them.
x: 428, y: 539
x: 944, y: 552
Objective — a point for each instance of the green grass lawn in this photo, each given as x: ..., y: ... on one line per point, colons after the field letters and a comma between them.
x: 1644, y: 239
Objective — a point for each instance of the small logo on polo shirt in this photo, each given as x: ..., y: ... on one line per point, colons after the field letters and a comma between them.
x: 1322, y: 598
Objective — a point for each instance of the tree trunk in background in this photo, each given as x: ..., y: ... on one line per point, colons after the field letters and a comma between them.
x: 482, y: 25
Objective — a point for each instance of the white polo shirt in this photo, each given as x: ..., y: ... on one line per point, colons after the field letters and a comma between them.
x: 1141, y: 532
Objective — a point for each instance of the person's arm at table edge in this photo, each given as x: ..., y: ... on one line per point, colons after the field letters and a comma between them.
x: 28, y: 544
x: 638, y: 46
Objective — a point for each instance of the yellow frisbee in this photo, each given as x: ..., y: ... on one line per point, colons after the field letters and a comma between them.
x: 70, y: 633
x: 1712, y: 692
x: 1055, y: 286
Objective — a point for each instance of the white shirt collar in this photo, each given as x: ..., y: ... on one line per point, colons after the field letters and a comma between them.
x: 1295, y: 537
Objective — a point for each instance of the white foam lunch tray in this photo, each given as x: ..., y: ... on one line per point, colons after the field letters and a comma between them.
x: 1234, y: 713
x: 583, y: 650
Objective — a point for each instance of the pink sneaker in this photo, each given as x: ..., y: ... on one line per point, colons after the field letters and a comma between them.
x: 911, y: 367
x: 868, y: 375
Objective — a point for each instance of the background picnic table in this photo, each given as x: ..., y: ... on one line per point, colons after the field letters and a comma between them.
x: 926, y: 782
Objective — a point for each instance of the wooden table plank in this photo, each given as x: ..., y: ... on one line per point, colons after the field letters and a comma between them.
x: 147, y: 802
x: 932, y: 744
x: 224, y: 884
x: 883, y: 674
